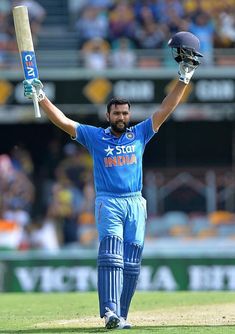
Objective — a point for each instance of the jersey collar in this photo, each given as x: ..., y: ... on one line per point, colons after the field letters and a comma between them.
x: 108, y: 131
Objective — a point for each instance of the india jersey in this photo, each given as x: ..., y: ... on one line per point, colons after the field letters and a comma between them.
x: 117, y: 161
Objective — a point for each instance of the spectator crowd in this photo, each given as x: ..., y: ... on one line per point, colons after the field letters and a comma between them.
x: 52, y: 209
x: 120, y: 27
x: 52, y: 206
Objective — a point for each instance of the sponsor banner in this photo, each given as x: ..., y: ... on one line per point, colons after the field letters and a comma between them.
x: 140, y: 90
x: 204, y: 99
x: 164, y: 274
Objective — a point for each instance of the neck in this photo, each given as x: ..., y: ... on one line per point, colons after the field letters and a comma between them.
x: 116, y: 134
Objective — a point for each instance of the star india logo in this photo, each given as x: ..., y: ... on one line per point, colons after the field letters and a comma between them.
x: 124, y: 155
x: 109, y: 151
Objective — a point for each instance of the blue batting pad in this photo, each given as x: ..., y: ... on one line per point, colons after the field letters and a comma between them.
x: 132, y: 262
x: 110, y: 274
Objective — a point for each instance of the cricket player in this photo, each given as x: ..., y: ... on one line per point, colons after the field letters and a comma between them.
x: 120, y: 209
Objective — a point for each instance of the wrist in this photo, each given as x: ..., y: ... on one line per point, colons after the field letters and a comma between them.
x: 41, y: 95
x: 185, y: 72
x: 184, y: 80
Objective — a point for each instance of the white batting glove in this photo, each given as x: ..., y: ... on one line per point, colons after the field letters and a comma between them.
x: 34, y: 86
x: 186, y: 71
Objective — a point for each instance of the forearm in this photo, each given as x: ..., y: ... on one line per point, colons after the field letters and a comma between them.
x: 169, y: 104
x: 173, y: 99
x: 57, y: 117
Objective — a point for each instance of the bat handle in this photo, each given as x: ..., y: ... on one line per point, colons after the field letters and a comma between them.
x: 36, y: 106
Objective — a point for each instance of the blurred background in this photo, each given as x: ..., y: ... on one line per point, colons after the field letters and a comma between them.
x: 88, y: 51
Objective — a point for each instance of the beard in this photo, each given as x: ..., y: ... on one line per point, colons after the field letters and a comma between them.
x: 119, y: 127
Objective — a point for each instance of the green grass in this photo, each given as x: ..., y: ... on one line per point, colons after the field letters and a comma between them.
x: 162, y: 312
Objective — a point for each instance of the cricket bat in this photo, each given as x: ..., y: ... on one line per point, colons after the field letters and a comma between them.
x: 26, y: 48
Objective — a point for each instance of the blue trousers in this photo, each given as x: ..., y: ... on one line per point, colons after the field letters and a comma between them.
x: 124, y: 217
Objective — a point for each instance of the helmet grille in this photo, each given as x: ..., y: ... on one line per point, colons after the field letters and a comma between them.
x: 185, y: 54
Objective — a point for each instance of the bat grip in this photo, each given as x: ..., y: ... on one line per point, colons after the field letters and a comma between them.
x: 36, y: 106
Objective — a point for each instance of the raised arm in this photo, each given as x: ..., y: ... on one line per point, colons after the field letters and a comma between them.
x: 185, y: 49
x: 168, y: 105
x: 55, y: 115
x: 172, y: 100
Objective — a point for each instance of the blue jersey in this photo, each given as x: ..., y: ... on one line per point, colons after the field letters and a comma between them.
x: 117, y: 161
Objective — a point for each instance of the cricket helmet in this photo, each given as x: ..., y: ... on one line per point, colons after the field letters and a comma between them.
x: 185, y: 47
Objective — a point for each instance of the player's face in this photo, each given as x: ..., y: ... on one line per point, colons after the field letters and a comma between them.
x: 119, y: 117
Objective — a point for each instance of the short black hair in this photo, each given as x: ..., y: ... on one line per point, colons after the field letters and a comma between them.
x: 118, y: 101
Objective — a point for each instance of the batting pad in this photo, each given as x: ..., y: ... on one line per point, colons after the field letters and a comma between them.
x: 110, y: 274
x: 132, y: 262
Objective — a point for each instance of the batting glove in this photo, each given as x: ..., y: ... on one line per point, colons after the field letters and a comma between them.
x: 32, y: 87
x: 186, y: 71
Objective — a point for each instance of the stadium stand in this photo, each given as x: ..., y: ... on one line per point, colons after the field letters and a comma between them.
x: 60, y: 37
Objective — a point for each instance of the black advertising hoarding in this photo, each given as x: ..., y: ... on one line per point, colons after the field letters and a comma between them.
x: 205, y: 98
x: 139, y: 90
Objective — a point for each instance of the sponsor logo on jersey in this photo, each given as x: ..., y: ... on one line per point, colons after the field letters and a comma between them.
x: 109, y: 151
x: 120, y: 155
x: 120, y: 160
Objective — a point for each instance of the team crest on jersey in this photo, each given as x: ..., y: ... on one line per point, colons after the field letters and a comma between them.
x: 130, y: 135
